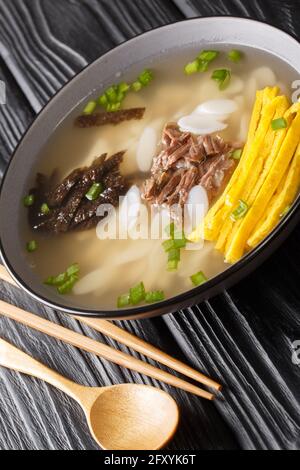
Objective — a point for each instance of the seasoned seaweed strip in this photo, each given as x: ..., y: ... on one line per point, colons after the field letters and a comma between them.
x: 69, y: 208
x: 102, y: 119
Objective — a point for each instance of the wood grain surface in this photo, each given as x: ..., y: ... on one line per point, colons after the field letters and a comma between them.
x: 242, y: 338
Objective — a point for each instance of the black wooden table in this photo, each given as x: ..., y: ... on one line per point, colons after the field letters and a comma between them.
x: 244, y: 337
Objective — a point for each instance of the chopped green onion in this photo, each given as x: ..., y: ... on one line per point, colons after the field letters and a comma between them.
x: 45, y: 209
x: 208, y: 56
x: 192, y: 67
x: 136, y: 86
x: 201, y: 63
x: 143, y: 80
x: 236, y: 154
x: 90, y: 107
x: 57, y: 280
x: 137, y: 294
x: 174, y: 255
x: 124, y: 301
x: 112, y: 94
x: 124, y: 87
x: 240, y: 211
x: 112, y: 99
x: 154, y: 296
x: 168, y: 245
x: 103, y: 101
x: 173, y: 244
x: 179, y: 242
x: 198, y: 279
x: 278, y: 124
x: 146, y: 77
x: 112, y: 107
x: 31, y: 246
x: 65, y: 282
x: 28, y: 201
x: 67, y: 286
x: 235, y: 55
x: 172, y: 265
x: 222, y: 77
x: 202, y: 66
x: 94, y: 191
x: 285, y: 212
x: 73, y: 269
x: 170, y: 230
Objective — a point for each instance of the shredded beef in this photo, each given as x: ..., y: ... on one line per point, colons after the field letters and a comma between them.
x: 185, y: 161
x: 69, y: 207
x: 102, y: 119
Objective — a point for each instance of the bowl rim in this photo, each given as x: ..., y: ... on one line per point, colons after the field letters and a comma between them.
x: 208, y: 290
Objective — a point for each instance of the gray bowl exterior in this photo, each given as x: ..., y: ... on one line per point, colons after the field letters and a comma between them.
x: 130, y: 57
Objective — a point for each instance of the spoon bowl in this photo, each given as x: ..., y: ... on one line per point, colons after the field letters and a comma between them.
x: 133, y: 417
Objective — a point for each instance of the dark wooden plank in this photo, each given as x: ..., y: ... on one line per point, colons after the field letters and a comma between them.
x: 244, y: 340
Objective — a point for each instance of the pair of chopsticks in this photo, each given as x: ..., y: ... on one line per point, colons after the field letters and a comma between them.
x: 122, y: 359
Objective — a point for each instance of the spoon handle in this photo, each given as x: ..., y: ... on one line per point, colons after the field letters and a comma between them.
x: 14, y: 359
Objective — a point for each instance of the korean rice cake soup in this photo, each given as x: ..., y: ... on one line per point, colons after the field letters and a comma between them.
x: 162, y: 181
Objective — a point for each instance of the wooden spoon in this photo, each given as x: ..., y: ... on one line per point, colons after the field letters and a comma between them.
x: 121, y: 417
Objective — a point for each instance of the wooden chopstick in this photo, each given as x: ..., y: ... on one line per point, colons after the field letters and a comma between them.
x: 109, y: 329
x: 92, y: 346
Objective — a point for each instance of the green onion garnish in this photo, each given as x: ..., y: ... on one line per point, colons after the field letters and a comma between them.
x: 201, y: 63
x: 57, y: 280
x: 240, y: 211
x: 170, y: 230
x: 222, y: 77
x: 67, y: 287
x: 113, y: 97
x: 90, y: 107
x: 198, y: 279
x: 172, y: 265
x: 103, y: 100
x: 136, y: 86
x: 45, y: 209
x: 28, y: 201
x: 154, y: 296
x: 278, y: 124
x: 113, y: 107
x: 73, y: 269
x: 137, y: 294
x: 235, y: 55
x: 285, y: 212
x: 192, y: 67
x: 124, y: 87
x: 112, y: 94
x: 174, y: 244
x: 168, y: 245
x: 143, y: 80
x: 146, y: 77
x: 65, y: 282
x: 236, y: 154
x: 124, y: 301
x: 208, y: 56
x: 31, y: 246
x: 174, y: 255
x: 94, y: 191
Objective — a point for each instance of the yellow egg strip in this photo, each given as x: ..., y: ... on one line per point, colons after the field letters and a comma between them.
x: 281, y: 202
x: 286, y: 153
